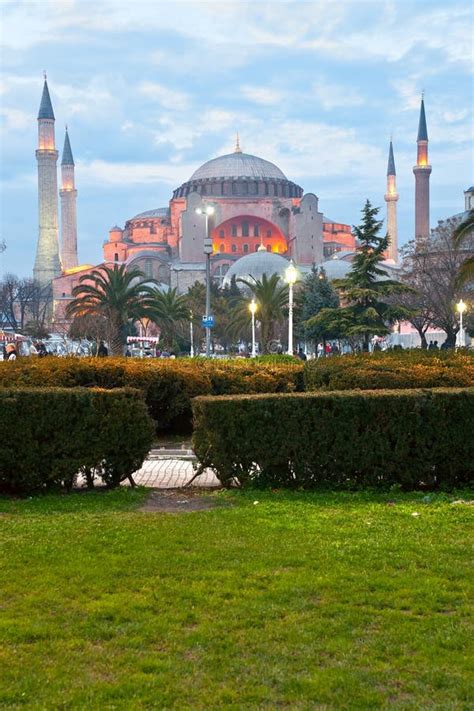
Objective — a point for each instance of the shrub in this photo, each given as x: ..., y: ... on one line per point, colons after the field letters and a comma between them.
x: 412, y: 438
x: 390, y: 370
x: 168, y: 385
x: 49, y: 435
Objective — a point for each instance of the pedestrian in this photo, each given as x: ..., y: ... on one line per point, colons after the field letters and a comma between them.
x: 128, y: 353
x: 320, y: 350
x: 430, y: 346
x: 102, y: 351
x: 11, y: 351
x: 435, y: 346
x: 42, y: 352
x: 302, y: 354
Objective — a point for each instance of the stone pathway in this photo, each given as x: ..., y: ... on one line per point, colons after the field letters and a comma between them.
x: 171, y: 469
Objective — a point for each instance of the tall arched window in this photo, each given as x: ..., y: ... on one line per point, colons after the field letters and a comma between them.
x: 234, y: 230
x: 246, y: 248
x: 221, y: 233
x: 148, y: 268
x: 245, y: 228
x: 222, y: 248
x: 116, y: 257
x: 256, y: 231
x: 234, y: 248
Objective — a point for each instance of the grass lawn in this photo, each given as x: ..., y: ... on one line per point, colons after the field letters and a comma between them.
x: 300, y: 601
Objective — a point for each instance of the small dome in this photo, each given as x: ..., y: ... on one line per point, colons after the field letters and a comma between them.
x: 238, y: 165
x: 336, y: 268
x: 256, y: 265
x: 158, y: 212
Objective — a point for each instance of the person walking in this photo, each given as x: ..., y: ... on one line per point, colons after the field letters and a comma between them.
x: 103, y: 351
x: 11, y: 351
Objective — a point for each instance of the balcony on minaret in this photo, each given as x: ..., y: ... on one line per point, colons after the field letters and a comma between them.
x: 422, y: 154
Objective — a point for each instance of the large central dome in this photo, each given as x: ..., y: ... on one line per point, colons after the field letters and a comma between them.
x: 238, y: 165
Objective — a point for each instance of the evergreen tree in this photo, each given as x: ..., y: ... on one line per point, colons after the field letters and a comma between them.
x: 316, y: 293
x: 365, y: 312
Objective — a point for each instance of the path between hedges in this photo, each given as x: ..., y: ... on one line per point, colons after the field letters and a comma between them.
x: 171, y: 469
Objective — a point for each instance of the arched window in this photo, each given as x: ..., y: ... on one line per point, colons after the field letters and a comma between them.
x: 222, y: 248
x: 234, y: 188
x: 269, y: 233
x: 221, y: 233
x: 245, y: 229
x: 275, y: 189
x: 234, y: 230
x: 246, y: 248
x: 116, y: 257
x: 245, y: 188
x: 256, y: 247
x: 266, y: 188
x: 234, y: 248
x: 148, y: 268
x: 256, y: 231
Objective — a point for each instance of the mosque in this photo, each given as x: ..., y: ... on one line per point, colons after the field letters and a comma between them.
x: 261, y: 219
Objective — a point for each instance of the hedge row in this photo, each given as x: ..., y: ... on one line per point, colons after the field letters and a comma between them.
x: 49, y: 436
x: 168, y: 385
x: 391, y: 370
x: 413, y: 438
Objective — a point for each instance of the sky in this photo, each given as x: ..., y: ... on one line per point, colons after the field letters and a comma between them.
x: 151, y: 90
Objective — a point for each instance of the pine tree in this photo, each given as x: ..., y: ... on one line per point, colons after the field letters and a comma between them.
x: 365, y: 312
x: 316, y: 293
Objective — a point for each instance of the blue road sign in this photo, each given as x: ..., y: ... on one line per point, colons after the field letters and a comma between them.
x: 208, y: 321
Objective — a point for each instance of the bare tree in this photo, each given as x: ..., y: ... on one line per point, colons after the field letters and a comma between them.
x: 23, y: 302
x: 431, y: 267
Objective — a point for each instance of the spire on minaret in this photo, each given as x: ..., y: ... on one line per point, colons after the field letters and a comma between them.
x: 46, y: 107
x: 391, y: 161
x: 237, y: 148
x: 67, y: 158
x: 422, y: 130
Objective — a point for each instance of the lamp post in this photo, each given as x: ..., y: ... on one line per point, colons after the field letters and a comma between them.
x: 291, y: 275
x: 253, y: 308
x: 461, y: 308
x: 207, y: 211
x: 191, y: 334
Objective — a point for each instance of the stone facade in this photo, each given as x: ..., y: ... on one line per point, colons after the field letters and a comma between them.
x: 391, y: 198
x: 68, y: 194
x: 422, y: 172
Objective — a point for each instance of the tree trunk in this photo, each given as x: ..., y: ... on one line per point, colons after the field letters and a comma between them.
x: 422, y: 334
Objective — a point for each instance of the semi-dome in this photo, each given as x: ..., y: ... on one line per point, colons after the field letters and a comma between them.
x: 256, y: 265
x: 238, y: 165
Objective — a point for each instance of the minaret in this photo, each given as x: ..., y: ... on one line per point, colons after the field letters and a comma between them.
x: 47, y: 264
x: 422, y: 171
x: 391, y: 198
x: 68, y: 195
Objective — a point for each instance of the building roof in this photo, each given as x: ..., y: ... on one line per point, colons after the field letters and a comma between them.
x: 469, y: 190
x: 256, y: 265
x: 157, y: 212
x: 391, y: 161
x: 422, y: 130
x: 67, y: 158
x: 46, y: 107
x: 238, y: 165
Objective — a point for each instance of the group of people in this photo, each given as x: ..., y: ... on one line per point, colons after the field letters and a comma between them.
x: 11, y: 351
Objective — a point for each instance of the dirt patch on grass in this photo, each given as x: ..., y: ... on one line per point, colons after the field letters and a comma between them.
x: 180, y: 501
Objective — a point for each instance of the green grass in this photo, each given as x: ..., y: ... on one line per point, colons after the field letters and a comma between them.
x: 300, y: 601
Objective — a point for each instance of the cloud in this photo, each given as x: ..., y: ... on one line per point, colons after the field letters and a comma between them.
x: 15, y: 119
x: 168, y: 98
x: 331, y: 95
x: 110, y: 173
x: 262, y: 95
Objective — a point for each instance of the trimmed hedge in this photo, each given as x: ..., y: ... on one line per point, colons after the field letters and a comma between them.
x: 412, y: 438
x: 390, y: 370
x: 50, y: 435
x: 168, y: 385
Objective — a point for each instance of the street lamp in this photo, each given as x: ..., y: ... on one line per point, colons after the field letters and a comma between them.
x: 461, y: 308
x: 291, y: 275
x: 191, y: 334
x: 253, y: 308
x: 207, y: 211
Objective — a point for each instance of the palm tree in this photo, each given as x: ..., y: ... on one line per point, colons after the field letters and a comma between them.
x: 462, y: 234
x: 115, y: 293
x: 169, y: 311
x: 272, y: 298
